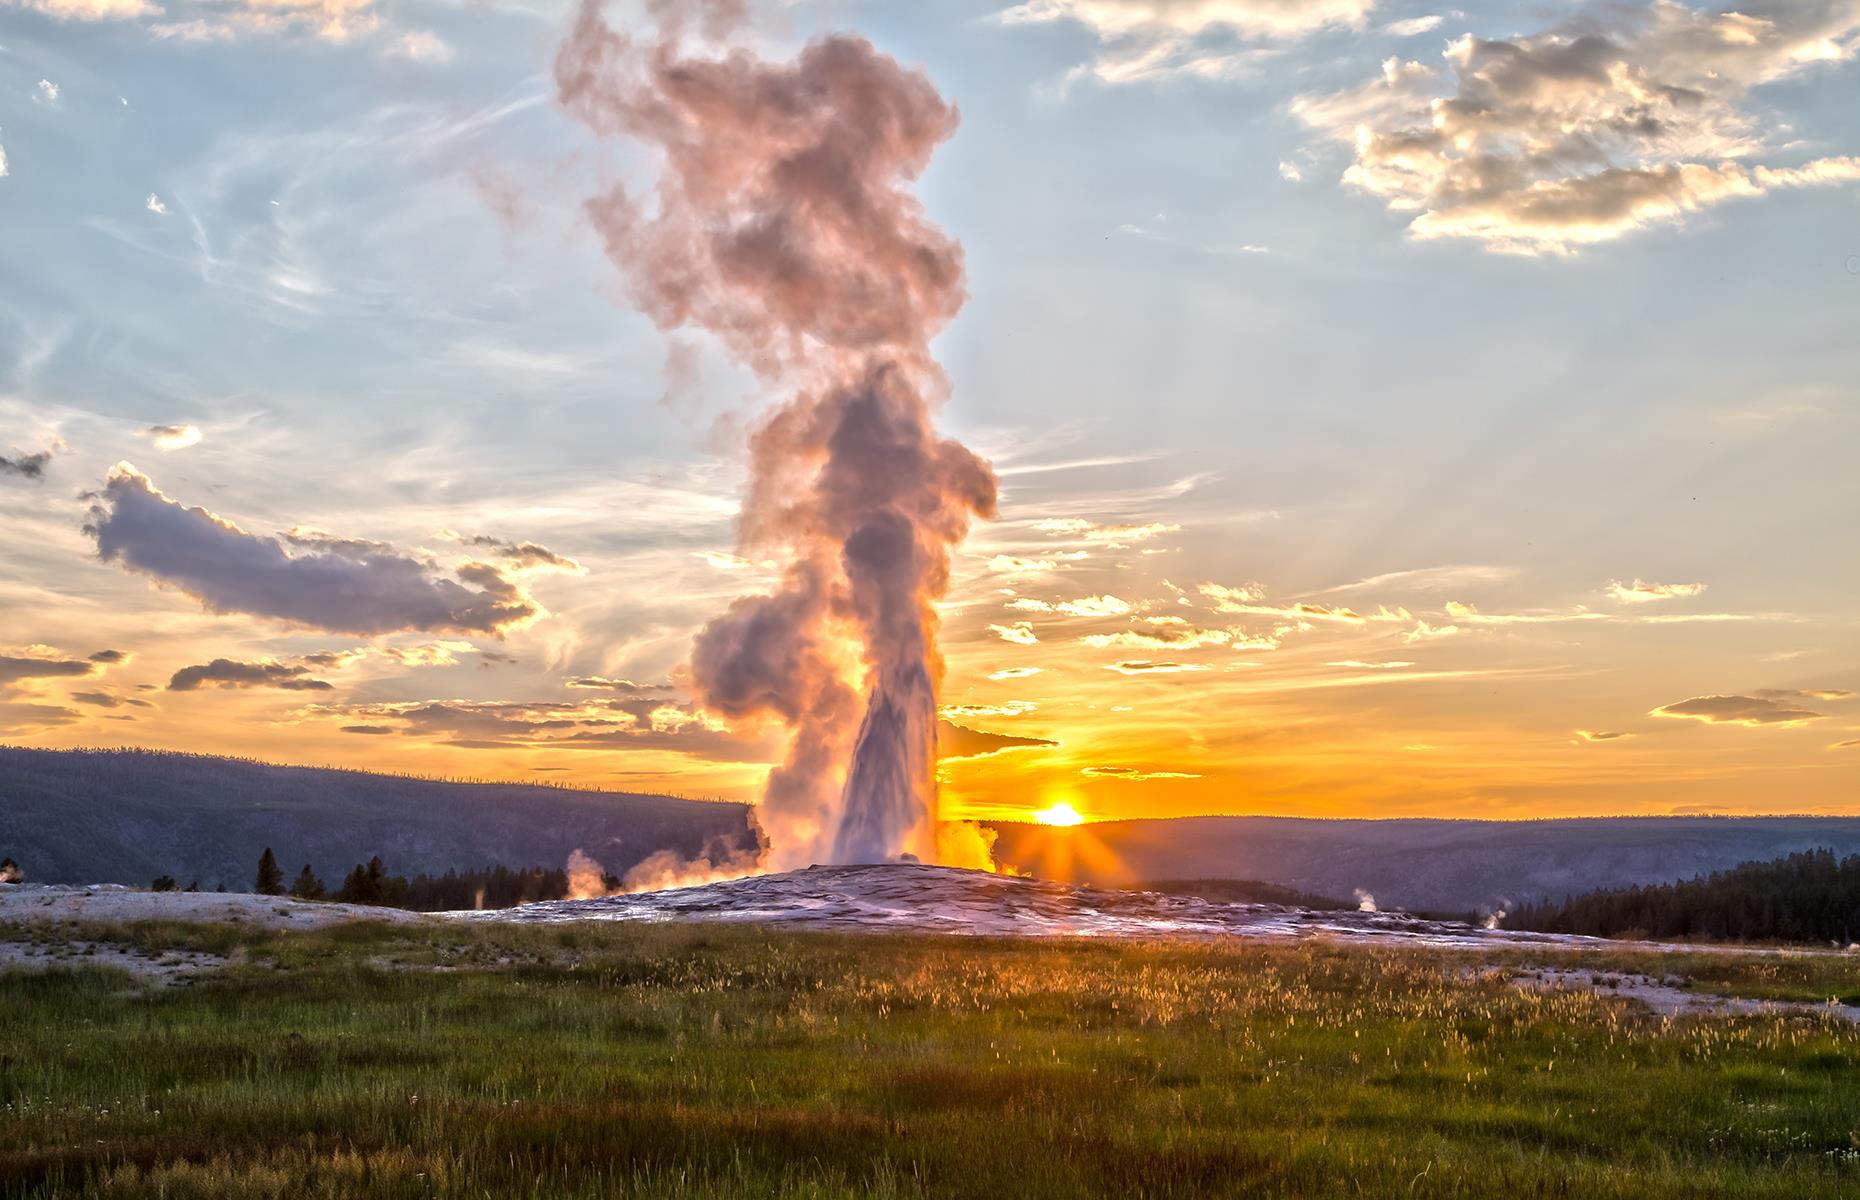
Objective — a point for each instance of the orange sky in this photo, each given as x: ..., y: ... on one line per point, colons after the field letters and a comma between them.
x: 330, y: 434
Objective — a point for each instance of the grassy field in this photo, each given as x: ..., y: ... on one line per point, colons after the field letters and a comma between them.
x: 374, y: 1061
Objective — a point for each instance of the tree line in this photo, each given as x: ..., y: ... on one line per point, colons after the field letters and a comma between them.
x: 1812, y: 896
x: 370, y: 883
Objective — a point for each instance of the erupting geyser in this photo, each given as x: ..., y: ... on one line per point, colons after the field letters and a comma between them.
x: 782, y: 224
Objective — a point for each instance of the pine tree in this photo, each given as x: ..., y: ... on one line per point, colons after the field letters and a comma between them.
x: 354, y: 886
x: 308, y: 886
x: 270, y: 880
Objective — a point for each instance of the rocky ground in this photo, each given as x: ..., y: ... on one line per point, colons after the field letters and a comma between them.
x: 109, y: 903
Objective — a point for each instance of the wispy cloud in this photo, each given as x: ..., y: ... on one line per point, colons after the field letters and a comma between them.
x: 1151, y: 40
x: 1133, y: 774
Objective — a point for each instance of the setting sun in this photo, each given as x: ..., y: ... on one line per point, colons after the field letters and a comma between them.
x: 1059, y: 814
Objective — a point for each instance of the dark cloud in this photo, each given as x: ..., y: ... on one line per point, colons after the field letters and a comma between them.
x: 1593, y: 735
x: 331, y: 660
x: 14, y: 668
x: 20, y: 718
x: 596, y: 724
x: 1740, y: 710
x: 110, y: 657
x: 524, y: 555
x: 959, y: 741
x: 226, y: 672
x: 329, y: 543
x: 339, y: 585
x: 26, y: 466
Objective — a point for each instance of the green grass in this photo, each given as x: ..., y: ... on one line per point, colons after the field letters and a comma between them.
x: 617, y: 1061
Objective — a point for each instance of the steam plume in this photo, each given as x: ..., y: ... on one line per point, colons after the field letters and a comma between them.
x: 782, y: 224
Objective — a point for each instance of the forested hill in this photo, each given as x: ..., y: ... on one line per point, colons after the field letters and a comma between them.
x: 1808, y: 897
x: 128, y: 816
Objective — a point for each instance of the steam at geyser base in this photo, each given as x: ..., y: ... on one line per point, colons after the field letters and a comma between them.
x: 781, y: 223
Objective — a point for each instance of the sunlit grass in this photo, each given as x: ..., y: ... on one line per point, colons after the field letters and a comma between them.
x: 719, y: 1062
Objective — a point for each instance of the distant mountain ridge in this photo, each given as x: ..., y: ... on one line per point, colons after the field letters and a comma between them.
x: 127, y: 816
x: 1422, y: 864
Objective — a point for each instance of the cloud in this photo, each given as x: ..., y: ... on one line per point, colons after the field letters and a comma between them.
x: 230, y: 673
x: 1802, y: 694
x: 1642, y: 592
x: 48, y: 92
x: 154, y: 205
x: 525, y: 556
x: 1143, y: 666
x: 173, y: 437
x: 1244, y: 602
x: 3, y: 171
x: 1354, y: 664
x: 604, y: 723
x: 1093, y: 606
x: 1146, y: 40
x: 1014, y: 673
x: 22, y: 718
x: 1591, y: 735
x: 89, y: 10
x: 1427, y: 579
x: 1423, y: 632
x: 722, y: 561
x: 1625, y: 120
x: 1133, y: 774
x: 623, y: 687
x: 1115, y: 536
x: 420, y: 46
x: 375, y: 730
x: 1246, y: 593
x: 1007, y: 708
x: 1849, y: 744
x: 342, y: 585
x: 1413, y: 26
x: 1008, y: 564
x: 1751, y: 711
x: 41, y: 662
x: 108, y: 700
x: 110, y: 657
x: 1291, y: 172
x: 329, y: 20
x: 1466, y: 614
x: 1020, y: 633
x: 957, y: 741
x: 1178, y: 636
x: 26, y: 466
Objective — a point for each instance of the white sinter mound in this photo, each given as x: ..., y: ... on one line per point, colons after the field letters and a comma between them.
x: 910, y: 897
